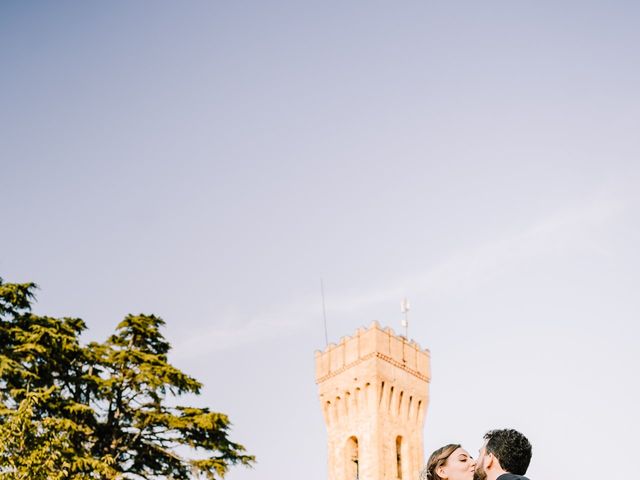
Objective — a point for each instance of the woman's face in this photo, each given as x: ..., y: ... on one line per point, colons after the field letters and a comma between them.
x: 459, y: 466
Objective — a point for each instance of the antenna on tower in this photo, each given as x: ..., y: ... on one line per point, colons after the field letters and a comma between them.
x: 404, y: 308
x: 324, y: 313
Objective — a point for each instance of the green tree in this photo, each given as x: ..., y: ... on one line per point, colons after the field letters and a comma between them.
x: 104, y: 410
x: 32, y: 449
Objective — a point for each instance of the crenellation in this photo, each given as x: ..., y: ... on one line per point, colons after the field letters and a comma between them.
x: 322, y: 364
x: 423, y: 361
x: 410, y: 356
x: 367, y: 342
x: 382, y: 341
x: 396, y: 350
x: 359, y: 347
x: 351, y: 351
x: 336, y: 358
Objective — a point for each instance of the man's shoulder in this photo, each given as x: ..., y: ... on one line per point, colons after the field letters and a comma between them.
x: 511, y: 476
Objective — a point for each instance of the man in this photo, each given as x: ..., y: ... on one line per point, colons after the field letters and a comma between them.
x: 505, y: 455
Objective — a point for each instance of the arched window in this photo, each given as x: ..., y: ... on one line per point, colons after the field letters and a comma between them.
x: 347, y: 402
x: 399, y: 457
x: 328, y: 413
x: 352, y: 460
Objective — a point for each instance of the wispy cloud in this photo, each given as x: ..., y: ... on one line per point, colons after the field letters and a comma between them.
x: 567, y: 230
x: 243, y: 331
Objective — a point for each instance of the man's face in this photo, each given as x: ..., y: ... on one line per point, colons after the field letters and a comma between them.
x: 480, y: 473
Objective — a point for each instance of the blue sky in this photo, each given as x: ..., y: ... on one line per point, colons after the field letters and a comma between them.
x: 210, y: 162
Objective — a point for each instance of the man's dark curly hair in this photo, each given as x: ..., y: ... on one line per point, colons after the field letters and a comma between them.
x: 511, y: 448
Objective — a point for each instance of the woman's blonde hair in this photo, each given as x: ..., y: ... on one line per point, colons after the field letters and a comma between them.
x: 436, y: 460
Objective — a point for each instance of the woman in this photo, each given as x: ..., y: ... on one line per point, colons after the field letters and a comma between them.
x: 451, y: 462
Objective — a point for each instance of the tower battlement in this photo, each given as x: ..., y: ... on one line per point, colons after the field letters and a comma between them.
x: 369, y: 342
x: 374, y: 392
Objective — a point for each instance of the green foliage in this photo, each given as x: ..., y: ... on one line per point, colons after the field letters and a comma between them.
x: 104, y: 410
x: 32, y: 449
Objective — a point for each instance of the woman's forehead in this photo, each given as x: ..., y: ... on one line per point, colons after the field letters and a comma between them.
x: 459, y: 451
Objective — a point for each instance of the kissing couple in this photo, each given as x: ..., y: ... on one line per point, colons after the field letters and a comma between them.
x: 505, y: 455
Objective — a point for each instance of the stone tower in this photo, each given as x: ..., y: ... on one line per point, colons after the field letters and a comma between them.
x: 374, y: 391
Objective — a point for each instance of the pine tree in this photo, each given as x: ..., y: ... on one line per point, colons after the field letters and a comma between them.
x: 104, y: 410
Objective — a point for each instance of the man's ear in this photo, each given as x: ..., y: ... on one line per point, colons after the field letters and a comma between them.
x: 490, y: 461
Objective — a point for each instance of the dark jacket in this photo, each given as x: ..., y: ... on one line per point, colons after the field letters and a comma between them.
x: 511, y: 476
